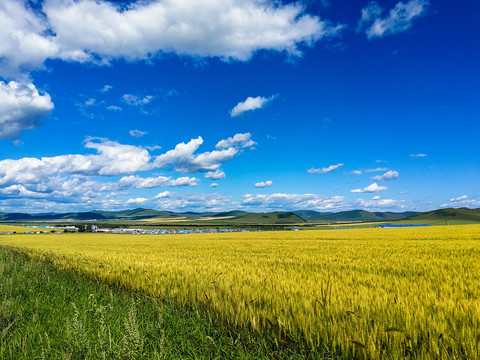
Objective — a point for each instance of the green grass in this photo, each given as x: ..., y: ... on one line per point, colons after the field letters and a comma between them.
x: 46, y: 313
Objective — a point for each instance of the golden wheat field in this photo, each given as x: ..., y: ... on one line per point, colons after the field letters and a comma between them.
x: 366, y: 293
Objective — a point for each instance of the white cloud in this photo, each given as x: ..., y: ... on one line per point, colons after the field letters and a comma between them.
x: 21, y: 191
x: 376, y: 169
x: 292, y: 201
x: 250, y: 104
x: 460, y: 198
x: 370, y: 189
x: 356, y: 172
x: 213, y: 185
x: 418, y: 155
x: 264, y: 184
x: 389, y: 175
x: 106, y: 88
x: 114, y: 108
x: 21, y: 108
x: 112, y: 159
x: 72, y: 179
x: 183, y: 160
x: 399, y: 19
x: 381, y: 204
x: 240, y: 140
x: 175, y: 201
x: 228, y: 29
x: 153, y: 147
x: 137, y: 133
x: 24, y: 39
x: 370, y: 13
x: 138, y: 182
x: 136, y: 100
x: 215, y: 175
x: 324, y: 170
x: 162, y: 195
x: 137, y: 201
x: 90, y: 102
x: 462, y: 201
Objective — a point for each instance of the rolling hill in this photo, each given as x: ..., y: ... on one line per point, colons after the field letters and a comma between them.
x: 446, y: 216
x: 238, y: 217
x: 276, y: 217
x: 352, y: 215
x: 135, y: 214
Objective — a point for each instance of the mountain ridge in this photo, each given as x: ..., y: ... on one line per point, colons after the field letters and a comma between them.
x: 244, y: 217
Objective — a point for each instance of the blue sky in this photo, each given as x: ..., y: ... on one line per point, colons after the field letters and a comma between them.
x: 256, y: 105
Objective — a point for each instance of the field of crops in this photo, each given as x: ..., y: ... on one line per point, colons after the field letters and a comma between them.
x: 364, y: 293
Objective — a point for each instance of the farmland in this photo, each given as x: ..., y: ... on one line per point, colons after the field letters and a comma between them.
x: 363, y: 293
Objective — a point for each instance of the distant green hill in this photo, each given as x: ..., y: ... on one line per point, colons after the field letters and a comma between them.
x: 447, y: 216
x: 277, y: 217
x: 235, y: 213
x: 352, y: 215
x: 237, y: 217
x: 308, y: 215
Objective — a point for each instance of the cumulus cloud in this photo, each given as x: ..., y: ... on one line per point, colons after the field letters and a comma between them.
x: 22, y: 107
x: 463, y: 201
x: 138, y: 182
x: 418, y: 155
x: 137, y: 201
x: 175, y: 201
x: 389, y: 175
x: 370, y: 189
x: 251, y: 103
x: 215, y: 175
x: 99, y: 31
x: 213, y: 185
x: 381, y: 204
x: 183, y: 160
x: 25, y: 41
x: 281, y: 201
x: 399, y: 19
x: 137, y: 133
x: 239, y: 140
x: 114, y: 108
x: 97, y: 180
x: 324, y: 170
x: 227, y: 29
x: 112, y: 159
x: 264, y: 184
x: 356, y: 172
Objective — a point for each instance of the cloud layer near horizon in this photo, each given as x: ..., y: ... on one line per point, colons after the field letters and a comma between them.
x: 75, y: 177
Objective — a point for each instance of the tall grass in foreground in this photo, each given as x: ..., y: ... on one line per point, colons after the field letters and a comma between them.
x: 46, y: 313
x: 369, y: 293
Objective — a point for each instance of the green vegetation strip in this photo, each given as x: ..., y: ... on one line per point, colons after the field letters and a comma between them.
x: 46, y: 313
